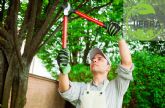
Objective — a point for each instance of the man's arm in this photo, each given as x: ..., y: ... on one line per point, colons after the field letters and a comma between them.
x: 64, y: 66
x: 125, y: 68
x: 63, y: 82
x: 125, y: 54
x: 68, y: 90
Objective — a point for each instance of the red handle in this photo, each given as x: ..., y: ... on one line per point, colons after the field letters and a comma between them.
x: 64, y: 32
x: 89, y: 18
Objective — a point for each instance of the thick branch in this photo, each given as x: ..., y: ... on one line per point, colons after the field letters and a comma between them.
x: 31, y: 21
x: 32, y: 18
x: 11, y: 26
x: 25, y: 23
x: 11, y: 22
x: 52, y: 34
x: 2, y: 10
x: 8, y: 83
x: 40, y: 34
x: 39, y: 7
x: 53, y: 21
x: 3, y: 42
x: 15, y: 36
x: 4, y: 34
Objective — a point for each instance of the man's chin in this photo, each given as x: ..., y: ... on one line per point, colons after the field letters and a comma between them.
x: 96, y: 71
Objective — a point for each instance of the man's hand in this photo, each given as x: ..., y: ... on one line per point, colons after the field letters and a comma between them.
x: 63, y: 61
x: 112, y: 28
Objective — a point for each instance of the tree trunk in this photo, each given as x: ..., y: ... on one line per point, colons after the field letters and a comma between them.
x: 86, y: 51
x: 8, y: 83
x: 19, y: 90
x: 15, y: 84
x: 3, y: 70
x: 74, y: 57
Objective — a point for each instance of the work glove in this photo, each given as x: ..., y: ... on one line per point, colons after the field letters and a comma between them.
x: 112, y: 27
x: 63, y: 61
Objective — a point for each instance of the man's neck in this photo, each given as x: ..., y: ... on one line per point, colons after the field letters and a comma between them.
x: 98, y: 79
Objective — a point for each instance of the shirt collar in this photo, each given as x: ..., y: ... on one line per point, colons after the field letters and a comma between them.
x: 101, y: 84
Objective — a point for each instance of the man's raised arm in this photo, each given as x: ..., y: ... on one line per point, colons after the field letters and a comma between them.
x: 125, y: 54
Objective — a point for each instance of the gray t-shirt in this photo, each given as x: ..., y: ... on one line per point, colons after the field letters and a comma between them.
x: 114, y: 91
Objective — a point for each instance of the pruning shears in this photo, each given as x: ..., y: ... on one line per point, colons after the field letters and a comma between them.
x: 112, y: 27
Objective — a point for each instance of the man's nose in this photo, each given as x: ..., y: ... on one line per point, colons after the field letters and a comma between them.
x: 94, y: 60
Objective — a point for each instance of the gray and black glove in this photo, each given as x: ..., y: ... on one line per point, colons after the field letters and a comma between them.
x: 63, y: 61
x: 112, y: 28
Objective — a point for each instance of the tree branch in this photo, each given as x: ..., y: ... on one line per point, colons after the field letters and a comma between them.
x: 37, y: 39
x: 2, y: 10
x: 81, y: 4
x: 55, y: 19
x: 3, y: 42
x: 39, y: 7
x: 26, y: 21
x: 4, y: 34
x: 95, y: 8
x: 11, y: 20
x: 11, y: 26
x: 15, y: 39
x: 52, y: 34
x: 98, y: 7
x: 8, y: 83
x: 32, y: 19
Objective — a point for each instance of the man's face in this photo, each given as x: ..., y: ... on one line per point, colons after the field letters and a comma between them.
x: 99, y: 64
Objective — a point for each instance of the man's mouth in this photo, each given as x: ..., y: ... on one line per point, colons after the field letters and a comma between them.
x: 94, y: 65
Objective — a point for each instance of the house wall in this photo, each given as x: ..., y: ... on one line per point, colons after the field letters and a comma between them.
x: 42, y: 93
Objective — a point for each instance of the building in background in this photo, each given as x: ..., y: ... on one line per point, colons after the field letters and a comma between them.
x: 38, y: 68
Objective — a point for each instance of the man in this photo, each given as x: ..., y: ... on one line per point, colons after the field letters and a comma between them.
x: 100, y: 92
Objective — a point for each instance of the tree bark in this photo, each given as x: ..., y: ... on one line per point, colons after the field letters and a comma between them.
x: 16, y: 83
x: 74, y: 57
x: 86, y: 51
x: 20, y: 87
x: 3, y: 67
x: 8, y: 83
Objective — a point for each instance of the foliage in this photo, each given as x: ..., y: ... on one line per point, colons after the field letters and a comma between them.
x: 80, y: 72
x: 155, y: 47
x: 147, y: 90
x: 83, y: 35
